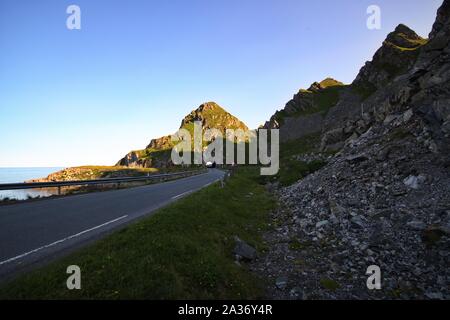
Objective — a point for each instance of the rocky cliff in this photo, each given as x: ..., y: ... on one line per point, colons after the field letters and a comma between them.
x: 305, y: 113
x: 335, y: 110
x: 384, y: 198
x: 157, y: 153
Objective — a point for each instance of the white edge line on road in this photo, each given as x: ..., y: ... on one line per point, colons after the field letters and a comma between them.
x: 60, y: 241
x: 183, y: 194
x: 191, y: 191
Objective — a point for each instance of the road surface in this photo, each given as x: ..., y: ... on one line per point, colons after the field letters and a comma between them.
x: 33, y: 233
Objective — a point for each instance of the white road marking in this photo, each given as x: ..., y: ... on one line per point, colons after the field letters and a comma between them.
x: 60, y: 241
x: 191, y: 191
x: 183, y: 194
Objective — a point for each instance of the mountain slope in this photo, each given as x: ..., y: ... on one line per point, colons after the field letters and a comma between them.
x: 157, y: 153
x: 306, y: 111
x: 332, y: 107
x: 383, y: 199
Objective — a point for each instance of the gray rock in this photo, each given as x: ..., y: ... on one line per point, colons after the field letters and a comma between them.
x: 244, y: 250
x: 335, y: 208
x: 357, y: 158
x: 357, y: 221
x: 416, y: 225
x: 414, y: 182
x: 296, y: 292
x: 434, y: 295
x: 446, y: 127
x: 389, y: 118
x: 281, y: 282
x: 321, y: 224
x: 334, y: 219
x: 407, y: 115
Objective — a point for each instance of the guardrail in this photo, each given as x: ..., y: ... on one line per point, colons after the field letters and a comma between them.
x: 59, y: 184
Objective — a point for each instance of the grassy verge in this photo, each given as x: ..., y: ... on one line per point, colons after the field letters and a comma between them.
x: 184, y: 251
x: 291, y: 169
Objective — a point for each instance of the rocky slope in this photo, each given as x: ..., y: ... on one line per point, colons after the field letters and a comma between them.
x: 305, y: 113
x: 157, y: 153
x: 334, y: 109
x: 384, y: 198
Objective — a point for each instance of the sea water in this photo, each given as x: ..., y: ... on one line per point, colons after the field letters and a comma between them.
x: 17, y: 175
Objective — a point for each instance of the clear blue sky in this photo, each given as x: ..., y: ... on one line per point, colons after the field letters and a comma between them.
x: 79, y: 97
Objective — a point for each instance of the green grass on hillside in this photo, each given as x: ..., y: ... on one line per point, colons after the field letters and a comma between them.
x: 104, y: 171
x: 303, y: 145
x: 330, y: 82
x: 184, y: 251
x: 292, y: 170
x: 327, y: 98
x: 414, y: 43
x: 323, y: 101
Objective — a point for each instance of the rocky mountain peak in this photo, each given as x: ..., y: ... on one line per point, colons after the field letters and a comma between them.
x: 442, y: 19
x: 328, y: 82
x: 407, y: 31
x: 157, y: 153
x: 404, y: 37
x: 211, y: 115
x: 397, y: 54
x: 209, y: 106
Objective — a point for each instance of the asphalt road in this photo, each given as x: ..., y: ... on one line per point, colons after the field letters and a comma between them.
x: 33, y: 233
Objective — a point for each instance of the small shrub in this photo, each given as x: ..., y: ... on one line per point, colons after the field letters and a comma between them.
x: 329, y: 284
